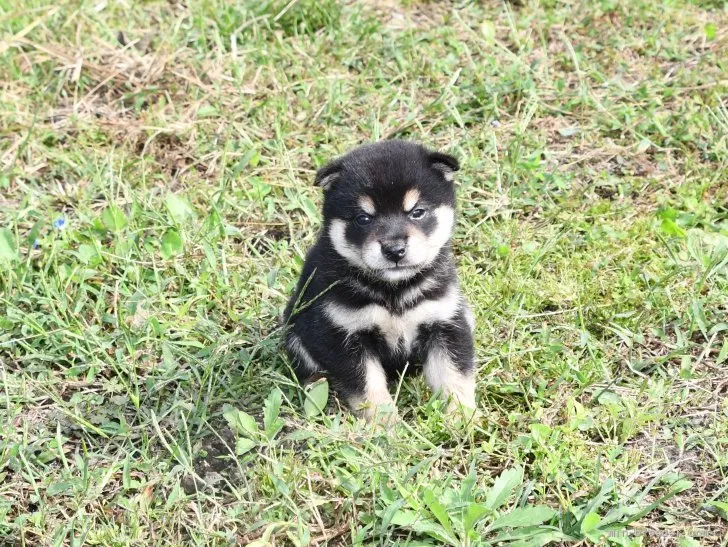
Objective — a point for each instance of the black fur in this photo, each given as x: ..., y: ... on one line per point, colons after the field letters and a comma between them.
x: 385, y: 171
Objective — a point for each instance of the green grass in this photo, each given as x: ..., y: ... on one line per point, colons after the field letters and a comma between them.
x: 145, y: 399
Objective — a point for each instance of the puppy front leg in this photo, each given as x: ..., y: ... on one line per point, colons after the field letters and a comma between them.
x: 372, y: 399
x: 450, y: 379
x: 449, y: 363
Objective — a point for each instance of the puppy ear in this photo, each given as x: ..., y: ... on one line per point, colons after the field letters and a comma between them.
x: 328, y: 175
x: 444, y: 163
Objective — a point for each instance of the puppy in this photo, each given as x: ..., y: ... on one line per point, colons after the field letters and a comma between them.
x: 379, y: 289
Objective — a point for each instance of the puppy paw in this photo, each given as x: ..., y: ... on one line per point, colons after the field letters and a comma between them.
x: 380, y: 414
x: 461, y: 413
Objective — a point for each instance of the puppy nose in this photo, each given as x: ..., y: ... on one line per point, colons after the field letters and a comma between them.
x: 395, y: 249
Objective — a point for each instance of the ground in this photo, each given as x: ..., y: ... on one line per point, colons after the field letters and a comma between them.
x: 156, y: 203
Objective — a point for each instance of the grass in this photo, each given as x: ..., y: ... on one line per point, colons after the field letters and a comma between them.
x: 156, y: 161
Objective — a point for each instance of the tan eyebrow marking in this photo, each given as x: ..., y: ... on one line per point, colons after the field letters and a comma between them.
x: 410, y: 199
x: 367, y: 205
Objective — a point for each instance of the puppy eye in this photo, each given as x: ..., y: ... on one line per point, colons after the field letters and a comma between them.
x: 418, y: 214
x: 363, y: 219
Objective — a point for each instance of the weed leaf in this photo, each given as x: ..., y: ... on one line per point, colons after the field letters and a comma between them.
x: 524, y: 516
x: 8, y: 252
x: 114, y: 219
x: 240, y: 422
x: 437, y: 509
x: 473, y: 514
x: 590, y: 523
x: 317, y: 395
x: 179, y: 208
x: 272, y: 424
x: 423, y: 525
x: 503, y: 487
x: 171, y: 244
x: 244, y: 445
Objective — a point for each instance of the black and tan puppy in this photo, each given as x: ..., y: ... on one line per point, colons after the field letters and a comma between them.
x: 379, y: 289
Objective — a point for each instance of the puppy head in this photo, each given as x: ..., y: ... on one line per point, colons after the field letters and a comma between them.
x: 389, y: 207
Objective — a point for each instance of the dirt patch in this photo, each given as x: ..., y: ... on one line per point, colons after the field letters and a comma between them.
x: 686, y: 513
x: 216, y: 465
x: 168, y: 150
x: 399, y: 17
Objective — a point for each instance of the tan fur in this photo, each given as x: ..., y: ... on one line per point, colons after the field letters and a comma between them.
x: 377, y: 402
x: 367, y: 205
x: 410, y: 199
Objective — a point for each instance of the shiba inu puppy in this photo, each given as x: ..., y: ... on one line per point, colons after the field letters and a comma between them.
x: 379, y: 290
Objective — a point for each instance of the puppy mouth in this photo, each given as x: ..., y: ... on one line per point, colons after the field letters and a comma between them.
x: 403, y: 267
x: 397, y: 272
x: 400, y: 268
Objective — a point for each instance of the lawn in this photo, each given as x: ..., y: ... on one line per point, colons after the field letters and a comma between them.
x: 156, y: 203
